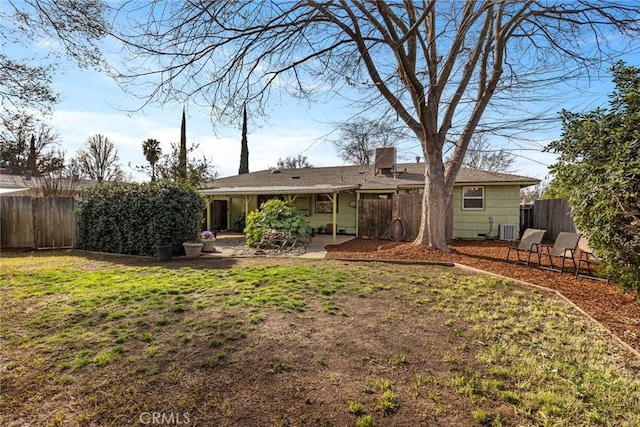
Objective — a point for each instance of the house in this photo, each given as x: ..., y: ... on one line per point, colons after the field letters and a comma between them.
x: 27, y: 185
x: 331, y: 195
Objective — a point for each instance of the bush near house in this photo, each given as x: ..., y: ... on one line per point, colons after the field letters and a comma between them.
x: 135, y: 218
x: 598, y: 169
x: 276, y: 215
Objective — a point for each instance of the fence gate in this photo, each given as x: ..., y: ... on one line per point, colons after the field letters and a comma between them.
x: 408, y: 208
x: 374, y: 217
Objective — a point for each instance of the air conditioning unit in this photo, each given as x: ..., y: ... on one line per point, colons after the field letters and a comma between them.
x: 508, y: 232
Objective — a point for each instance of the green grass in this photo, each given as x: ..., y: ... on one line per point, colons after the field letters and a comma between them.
x: 65, y: 318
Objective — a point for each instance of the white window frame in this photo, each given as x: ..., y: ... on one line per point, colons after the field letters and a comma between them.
x: 473, y: 187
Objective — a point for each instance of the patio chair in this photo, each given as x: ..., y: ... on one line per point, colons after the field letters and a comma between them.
x: 589, y: 259
x: 529, y: 244
x: 563, y: 249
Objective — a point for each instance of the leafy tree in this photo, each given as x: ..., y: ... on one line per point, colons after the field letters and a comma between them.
x: 276, y: 215
x: 152, y: 152
x: 599, y: 168
x: 480, y: 155
x: 98, y: 160
x: 438, y: 66
x: 359, y: 139
x: 294, y: 162
x: 182, y: 153
x: 244, y: 150
x: 199, y: 170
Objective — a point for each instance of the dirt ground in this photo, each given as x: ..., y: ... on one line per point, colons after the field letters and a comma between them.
x: 615, y: 309
x: 296, y: 368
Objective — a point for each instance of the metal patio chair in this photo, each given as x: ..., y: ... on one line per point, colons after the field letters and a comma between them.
x: 528, y: 244
x: 563, y: 249
x: 589, y: 259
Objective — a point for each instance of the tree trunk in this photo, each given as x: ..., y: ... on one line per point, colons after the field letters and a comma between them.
x: 432, y: 230
x: 449, y: 227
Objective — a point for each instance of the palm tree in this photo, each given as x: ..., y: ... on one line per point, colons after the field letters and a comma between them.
x: 152, y: 152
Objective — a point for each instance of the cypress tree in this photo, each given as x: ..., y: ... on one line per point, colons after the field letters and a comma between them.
x: 244, y: 151
x: 182, y: 154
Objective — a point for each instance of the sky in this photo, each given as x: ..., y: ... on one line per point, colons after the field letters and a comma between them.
x: 93, y: 104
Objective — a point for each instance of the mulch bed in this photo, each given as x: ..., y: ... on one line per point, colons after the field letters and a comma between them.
x: 617, y: 310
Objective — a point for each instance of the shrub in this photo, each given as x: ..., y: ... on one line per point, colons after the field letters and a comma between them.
x: 598, y: 168
x: 136, y: 218
x: 276, y: 215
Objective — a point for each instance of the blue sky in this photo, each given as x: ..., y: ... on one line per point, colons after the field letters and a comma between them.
x: 92, y: 103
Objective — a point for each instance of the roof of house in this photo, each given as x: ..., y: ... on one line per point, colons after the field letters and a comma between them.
x: 339, y: 178
x: 15, y: 184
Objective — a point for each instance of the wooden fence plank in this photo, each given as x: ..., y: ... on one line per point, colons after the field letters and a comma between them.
x: 41, y: 222
x: 17, y: 222
x: 55, y: 222
x: 554, y: 216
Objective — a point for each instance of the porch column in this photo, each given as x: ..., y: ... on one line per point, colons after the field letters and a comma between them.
x: 209, y: 212
x: 357, y: 212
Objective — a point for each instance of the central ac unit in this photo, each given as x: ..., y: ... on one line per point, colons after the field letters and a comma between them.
x: 508, y: 232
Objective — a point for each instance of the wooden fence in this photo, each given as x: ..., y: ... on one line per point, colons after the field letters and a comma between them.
x: 554, y: 216
x: 375, y: 217
x: 37, y: 222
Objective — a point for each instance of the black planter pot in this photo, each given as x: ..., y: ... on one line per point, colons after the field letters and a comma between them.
x: 164, y: 252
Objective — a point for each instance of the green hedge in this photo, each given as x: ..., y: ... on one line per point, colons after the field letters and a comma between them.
x: 136, y: 218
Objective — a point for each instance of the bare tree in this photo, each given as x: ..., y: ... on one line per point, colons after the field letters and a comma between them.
x: 359, y: 139
x: 26, y: 144
x: 99, y: 159
x: 63, y: 181
x: 439, y: 66
x: 480, y: 155
x: 71, y: 27
x: 294, y: 162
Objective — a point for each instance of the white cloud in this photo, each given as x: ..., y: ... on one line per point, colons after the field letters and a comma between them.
x: 127, y: 133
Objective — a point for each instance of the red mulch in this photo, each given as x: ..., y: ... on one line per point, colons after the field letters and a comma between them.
x: 615, y: 309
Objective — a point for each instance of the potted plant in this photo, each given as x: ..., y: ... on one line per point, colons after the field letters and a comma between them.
x: 208, y: 238
x: 192, y: 249
x: 164, y: 250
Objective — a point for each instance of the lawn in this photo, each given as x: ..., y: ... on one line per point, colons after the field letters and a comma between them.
x: 91, y: 340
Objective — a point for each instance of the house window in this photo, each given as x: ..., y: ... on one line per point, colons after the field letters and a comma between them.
x: 324, y: 204
x: 473, y: 198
